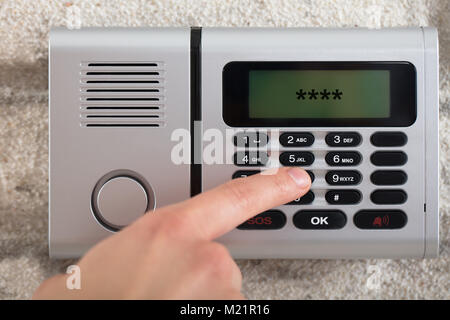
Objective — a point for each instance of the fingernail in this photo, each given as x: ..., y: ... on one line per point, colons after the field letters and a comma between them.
x: 300, y: 177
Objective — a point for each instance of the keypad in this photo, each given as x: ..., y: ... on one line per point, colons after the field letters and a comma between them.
x: 296, y: 139
x: 337, y: 173
x: 343, y: 139
x: 296, y: 158
x: 343, y: 158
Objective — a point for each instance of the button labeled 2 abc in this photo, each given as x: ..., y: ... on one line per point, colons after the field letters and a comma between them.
x: 320, y: 219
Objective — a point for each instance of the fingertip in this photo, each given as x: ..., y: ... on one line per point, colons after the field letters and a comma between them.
x: 300, y: 177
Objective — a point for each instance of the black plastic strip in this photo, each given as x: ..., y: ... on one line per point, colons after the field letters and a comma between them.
x: 122, y: 81
x: 122, y: 99
x: 196, y: 169
x: 122, y: 108
x: 106, y: 73
x: 121, y: 116
x: 122, y: 65
x: 122, y: 125
x: 122, y: 90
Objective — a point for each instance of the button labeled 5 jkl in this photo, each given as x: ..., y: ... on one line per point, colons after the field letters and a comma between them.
x: 296, y: 158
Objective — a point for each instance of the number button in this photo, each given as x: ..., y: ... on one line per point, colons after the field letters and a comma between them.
x: 250, y: 139
x: 307, y: 198
x: 296, y: 139
x: 311, y: 175
x: 245, y: 173
x: 343, y: 177
x: 343, y: 196
x: 296, y: 158
x: 349, y: 158
x: 343, y: 139
x: 250, y: 158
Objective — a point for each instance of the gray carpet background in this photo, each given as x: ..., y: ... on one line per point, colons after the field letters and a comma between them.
x: 24, y: 27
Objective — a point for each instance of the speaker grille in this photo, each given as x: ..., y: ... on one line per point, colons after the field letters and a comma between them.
x: 122, y: 94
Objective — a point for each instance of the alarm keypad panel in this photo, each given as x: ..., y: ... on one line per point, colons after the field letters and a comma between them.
x: 356, y: 108
x: 353, y: 109
x: 326, y: 219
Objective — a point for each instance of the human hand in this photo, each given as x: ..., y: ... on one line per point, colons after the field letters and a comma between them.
x: 171, y: 253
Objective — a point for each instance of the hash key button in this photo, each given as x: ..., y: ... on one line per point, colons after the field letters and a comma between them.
x: 343, y: 139
x: 343, y: 196
x: 319, y: 219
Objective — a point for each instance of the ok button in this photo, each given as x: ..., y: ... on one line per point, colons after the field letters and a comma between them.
x: 320, y: 219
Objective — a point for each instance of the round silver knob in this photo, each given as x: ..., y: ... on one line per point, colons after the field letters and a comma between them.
x: 120, y: 198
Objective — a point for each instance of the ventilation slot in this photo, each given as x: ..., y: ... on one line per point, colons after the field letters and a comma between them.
x: 122, y: 94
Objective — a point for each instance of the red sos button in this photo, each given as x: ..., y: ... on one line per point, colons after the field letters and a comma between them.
x: 269, y: 220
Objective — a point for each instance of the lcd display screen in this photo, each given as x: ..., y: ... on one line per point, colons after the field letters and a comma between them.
x: 319, y: 94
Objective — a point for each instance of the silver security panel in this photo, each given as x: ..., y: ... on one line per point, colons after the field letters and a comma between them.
x: 357, y: 108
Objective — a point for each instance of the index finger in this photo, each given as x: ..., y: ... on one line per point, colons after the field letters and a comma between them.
x: 217, y: 211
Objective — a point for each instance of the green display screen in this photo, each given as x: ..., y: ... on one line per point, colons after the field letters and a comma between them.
x: 321, y: 94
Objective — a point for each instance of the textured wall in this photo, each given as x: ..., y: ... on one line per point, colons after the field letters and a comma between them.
x: 24, y: 27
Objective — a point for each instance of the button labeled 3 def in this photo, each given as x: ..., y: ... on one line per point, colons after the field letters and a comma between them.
x: 343, y: 139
